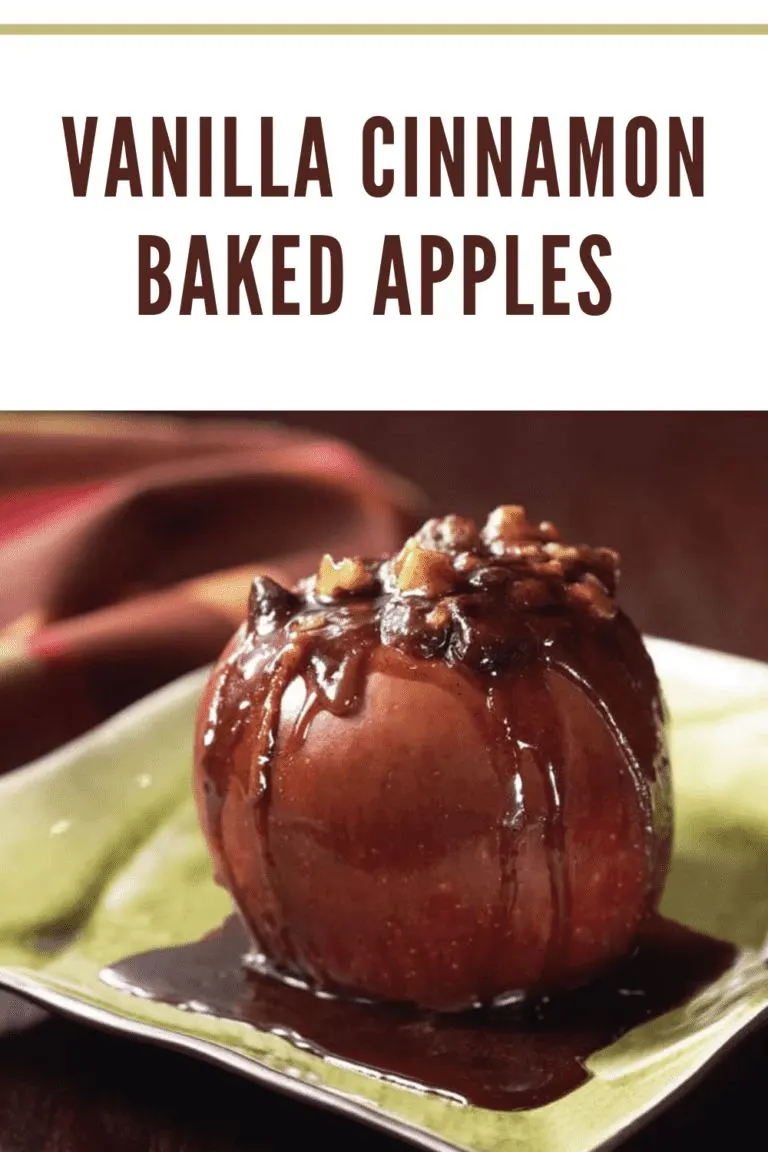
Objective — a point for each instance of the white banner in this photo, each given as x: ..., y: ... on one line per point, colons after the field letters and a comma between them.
x: 523, y: 289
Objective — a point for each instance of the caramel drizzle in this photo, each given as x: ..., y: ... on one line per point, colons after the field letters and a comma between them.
x: 326, y: 633
x: 336, y: 683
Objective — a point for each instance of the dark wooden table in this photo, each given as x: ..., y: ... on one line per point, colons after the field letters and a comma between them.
x: 685, y: 499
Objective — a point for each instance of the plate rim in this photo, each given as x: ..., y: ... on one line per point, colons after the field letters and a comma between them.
x: 220, y: 1056
x: 84, y: 1012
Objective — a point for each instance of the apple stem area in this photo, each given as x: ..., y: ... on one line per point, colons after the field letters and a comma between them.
x: 291, y: 275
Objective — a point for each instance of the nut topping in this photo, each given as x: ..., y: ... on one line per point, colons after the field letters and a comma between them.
x: 348, y: 576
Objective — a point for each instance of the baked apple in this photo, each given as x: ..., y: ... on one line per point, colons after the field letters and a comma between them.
x: 441, y: 776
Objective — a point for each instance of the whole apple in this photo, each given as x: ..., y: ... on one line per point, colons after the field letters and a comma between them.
x: 440, y: 777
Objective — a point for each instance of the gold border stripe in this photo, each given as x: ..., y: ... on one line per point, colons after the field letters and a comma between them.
x: 383, y: 29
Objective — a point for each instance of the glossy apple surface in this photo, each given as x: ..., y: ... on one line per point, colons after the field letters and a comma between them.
x: 454, y: 838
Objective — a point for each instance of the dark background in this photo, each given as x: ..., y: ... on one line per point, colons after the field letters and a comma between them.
x: 683, y: 498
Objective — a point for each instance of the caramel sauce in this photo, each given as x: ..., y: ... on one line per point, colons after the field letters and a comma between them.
x: 502, y: 1058
x: 495, y: 606
x: 530, y: 628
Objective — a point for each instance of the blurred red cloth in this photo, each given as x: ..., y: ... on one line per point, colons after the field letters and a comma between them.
x: 127, y: 548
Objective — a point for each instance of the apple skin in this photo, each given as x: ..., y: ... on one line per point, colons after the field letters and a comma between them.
x: 425, y: 847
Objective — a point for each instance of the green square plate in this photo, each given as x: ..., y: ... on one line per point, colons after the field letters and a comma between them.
x: 101, y: 857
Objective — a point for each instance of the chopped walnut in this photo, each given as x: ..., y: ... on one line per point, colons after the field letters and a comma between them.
x: 512, y: 567
x: 530, y: 593
x: 601, y: 562
x: 547, y: 568
x: 396, y: 563
x: 534, y: 549
x: 508, y: 526
x: 508, y: 522
x: 424, y: 572
x: 604, y: 563
x: 466, y: 561
x: 439, y: 617
x: 345, y: 578
x: 449, y: 534
x: 563, y: 552
x: 591, y: 594
x: 310, y: 623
